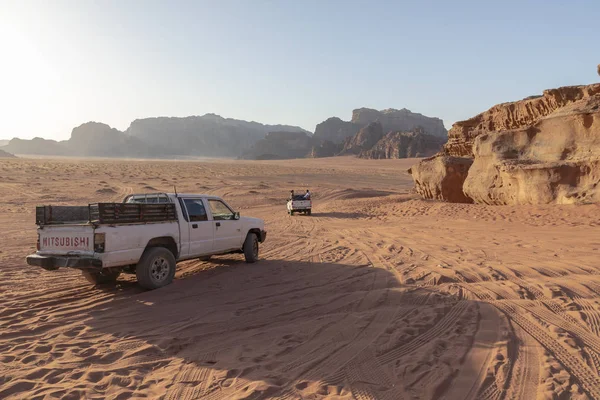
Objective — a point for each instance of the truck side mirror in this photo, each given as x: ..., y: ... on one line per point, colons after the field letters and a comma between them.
x: 236, y: 215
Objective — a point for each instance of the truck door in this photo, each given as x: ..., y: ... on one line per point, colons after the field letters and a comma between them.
x: 201, y: 230
x: 228, y: 230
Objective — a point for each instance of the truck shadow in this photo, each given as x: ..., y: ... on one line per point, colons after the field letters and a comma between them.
x: 341, y: 215
x: 275, y: 328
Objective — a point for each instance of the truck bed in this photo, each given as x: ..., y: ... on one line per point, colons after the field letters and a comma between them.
x: 105, y: 213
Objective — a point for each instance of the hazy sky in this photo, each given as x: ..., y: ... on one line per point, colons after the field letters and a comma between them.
x: 287, y: 61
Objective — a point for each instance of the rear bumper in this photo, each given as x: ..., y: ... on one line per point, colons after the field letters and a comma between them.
x: 263, y: 236
x: 52, y: 263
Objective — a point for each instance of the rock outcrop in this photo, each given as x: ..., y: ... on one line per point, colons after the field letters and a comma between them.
x: 209, y: 135
x: 6, y: 154
x: 206, y: 136
x: 365, y: 139
x: 415, y: 143
x: 441, y: 177
x: 37, y: 146
x: 324, y: 149
x: 399, y: 120
x: 337, y: 131
x: 540, y: 150
x: 280, y: 145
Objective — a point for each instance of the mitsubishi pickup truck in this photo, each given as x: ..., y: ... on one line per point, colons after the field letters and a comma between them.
x: 145, y: 235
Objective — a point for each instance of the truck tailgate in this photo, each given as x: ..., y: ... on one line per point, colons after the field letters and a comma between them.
x: 67, y: 239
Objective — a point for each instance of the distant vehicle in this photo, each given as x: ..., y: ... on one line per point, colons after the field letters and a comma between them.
x: 298, y: 204
x: 145, y: 235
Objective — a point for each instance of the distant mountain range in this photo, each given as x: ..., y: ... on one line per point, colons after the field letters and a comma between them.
x: 370, y: 134
x: 211, y: 135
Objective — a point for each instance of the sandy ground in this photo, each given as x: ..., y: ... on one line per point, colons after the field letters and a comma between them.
x: 377, y: 295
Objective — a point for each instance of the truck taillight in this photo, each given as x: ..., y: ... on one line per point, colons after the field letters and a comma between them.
x: 37, y: 245
x: 99, y: 239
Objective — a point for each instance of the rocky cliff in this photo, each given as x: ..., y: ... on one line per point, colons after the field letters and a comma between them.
x: 280, y: 145
x: 324, y: 149
x: 5, y: 154
x: 415, y: 143
x: 37, y: 146
x: 209, y: 135
x: 540, y: 150
x: 335, y: 130
x: 365, y: 139
x: 393, y: 120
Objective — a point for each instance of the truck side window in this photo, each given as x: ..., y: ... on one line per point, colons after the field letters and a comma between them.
x: 220, y: 211
x: 196, y: 210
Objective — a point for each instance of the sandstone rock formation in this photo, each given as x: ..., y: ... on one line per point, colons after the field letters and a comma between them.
x: 540, y: 150
x: 400, y: 120
x: 280, y: 145
x: 324, y: 149
x: 441, y: 177
x: 415, y: 143
x: 37, y: 146
x: 336, y: 130
x: 365, y: 139
x: 5, y: 154
x: 209, y: 136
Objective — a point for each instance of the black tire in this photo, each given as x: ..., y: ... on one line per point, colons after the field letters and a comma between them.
x: 100, y: 278
x: 251, y: 248
x: 291, y: 213
x: 156, y: 268
x: 205, y: 258
x: 308, y: 212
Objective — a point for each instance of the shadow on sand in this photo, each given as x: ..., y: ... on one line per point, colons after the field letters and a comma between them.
x: 280, y: 328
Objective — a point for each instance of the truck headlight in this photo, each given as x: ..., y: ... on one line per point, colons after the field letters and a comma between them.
x: 99, y: 241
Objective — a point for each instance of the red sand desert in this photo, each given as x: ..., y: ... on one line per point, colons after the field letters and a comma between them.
x: 377, y: 295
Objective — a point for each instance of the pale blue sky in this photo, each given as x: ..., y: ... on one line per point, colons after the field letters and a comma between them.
x: 287, y: 61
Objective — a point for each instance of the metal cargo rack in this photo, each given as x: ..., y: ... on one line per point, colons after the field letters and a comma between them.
x: 106, y: 213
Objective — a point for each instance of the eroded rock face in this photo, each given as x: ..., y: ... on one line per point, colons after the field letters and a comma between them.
x: 405, y: 145
x: 515, y: 115
x: 540, y: 150
x: 324, y: 149
x: 365, y: 139
x: 280, y: 145
x: 335, y: 130
x: 5, y: 154
x: 441, y: 177
x: 393, y: 120
x: 556, y: 160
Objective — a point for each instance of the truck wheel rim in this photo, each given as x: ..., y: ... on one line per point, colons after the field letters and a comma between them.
x: 159, y: 269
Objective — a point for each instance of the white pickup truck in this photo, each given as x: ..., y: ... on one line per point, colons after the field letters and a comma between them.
x: 145, y: 235
x: 298, y: 204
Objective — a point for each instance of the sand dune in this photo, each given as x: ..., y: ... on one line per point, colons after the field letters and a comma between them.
x: 377, y: 295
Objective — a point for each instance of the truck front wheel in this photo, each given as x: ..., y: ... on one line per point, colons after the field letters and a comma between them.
x: 99, y: 278
x: 156, y: 268
x: 251, y: 248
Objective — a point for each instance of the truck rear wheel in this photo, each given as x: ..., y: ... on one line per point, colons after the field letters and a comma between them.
x: 308, y: 212
x: 156, y: 268
x: 99, y: 278
x: 251, y: 248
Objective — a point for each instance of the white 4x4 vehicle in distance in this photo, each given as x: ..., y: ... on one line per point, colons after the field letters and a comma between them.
x: 145, y: 235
